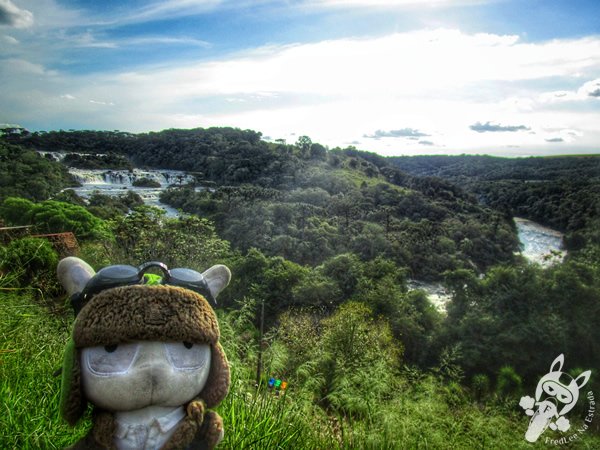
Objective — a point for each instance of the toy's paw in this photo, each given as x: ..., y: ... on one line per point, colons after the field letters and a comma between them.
x: 195, y: 410
x: 527, y: 402
x: 563, y: 424
x: 529, y: 412
x: 214, y: 430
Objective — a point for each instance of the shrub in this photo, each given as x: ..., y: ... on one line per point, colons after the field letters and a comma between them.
x: 51, y: 216
x: 509, y: 382
x: 480, y: 384
x: 31, y: 263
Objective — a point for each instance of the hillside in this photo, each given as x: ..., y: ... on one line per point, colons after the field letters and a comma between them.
x: 308, y: 204
x: 560, y: 192
x: 326, y: 240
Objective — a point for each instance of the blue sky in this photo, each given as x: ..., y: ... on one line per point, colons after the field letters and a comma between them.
x: 506, y: 77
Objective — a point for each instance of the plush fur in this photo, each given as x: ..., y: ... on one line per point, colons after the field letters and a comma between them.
x: 148, y: 313
x: 145, y: 313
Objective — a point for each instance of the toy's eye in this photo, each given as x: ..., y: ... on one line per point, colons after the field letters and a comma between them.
x: 550, y: 389
x: 187, y: 356
x: 110, y: 359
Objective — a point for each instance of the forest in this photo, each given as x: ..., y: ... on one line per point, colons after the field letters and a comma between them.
x: 327, y: 240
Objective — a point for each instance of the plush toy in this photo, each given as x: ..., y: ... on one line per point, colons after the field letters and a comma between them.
x: 145, y: 353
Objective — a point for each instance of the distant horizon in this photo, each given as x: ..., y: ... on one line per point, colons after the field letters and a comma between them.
x: 513, y: 77
x: 270, y: 140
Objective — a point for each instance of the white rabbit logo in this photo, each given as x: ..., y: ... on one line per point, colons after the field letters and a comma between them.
x: 556, y: 394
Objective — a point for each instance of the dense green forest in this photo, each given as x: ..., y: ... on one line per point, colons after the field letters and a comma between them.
x: 561, y: 192
x: 307, y: 204
x: 327, y: 240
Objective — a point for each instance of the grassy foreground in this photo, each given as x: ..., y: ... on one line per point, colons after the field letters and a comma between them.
x: 418, y: 412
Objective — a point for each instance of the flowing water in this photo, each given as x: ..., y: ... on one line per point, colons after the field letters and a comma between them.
x: 118, y: 182
x: 540, y: 244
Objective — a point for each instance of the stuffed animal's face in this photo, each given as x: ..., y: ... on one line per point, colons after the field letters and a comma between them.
x: 135, y: 375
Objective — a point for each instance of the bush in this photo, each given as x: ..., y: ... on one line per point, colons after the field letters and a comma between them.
x: 509, y: 382
x: 31, y: 261
x: 51, y: 216
x: 480, y: 384
x: 146, y: 182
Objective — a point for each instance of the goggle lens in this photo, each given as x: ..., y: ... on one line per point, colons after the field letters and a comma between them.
x: 125, y: 275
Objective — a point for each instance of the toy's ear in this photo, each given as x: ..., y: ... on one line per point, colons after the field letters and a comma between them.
x: 217, y: 278
x: 582, y: 379
x: 557, y: 364
x: 217, y: 384
x: 74, y: 273
x: 72, y: 401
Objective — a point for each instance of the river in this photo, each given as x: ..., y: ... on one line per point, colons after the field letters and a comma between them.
x: 540, y: 244
x: 116, y: 182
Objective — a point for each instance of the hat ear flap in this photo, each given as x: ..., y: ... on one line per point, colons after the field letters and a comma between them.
x: 217, y: 384
x: 72, y: 401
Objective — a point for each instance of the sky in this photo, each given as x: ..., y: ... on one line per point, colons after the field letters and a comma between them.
x: 396, y: 77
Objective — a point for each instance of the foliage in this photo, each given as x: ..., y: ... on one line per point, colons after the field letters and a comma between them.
x: 331, y: 216
x: 32, y: 263
x: 97, y: 161
x: 51, y: 216
x: 560, y: 192
x: 25, y: 173
x: 411, y: 414
x: 543, y: 312
x: 509, y: 382
x: 112, y: 207
x: 326, y: 240
x: 146, y: 182
x: 147, y: 235
x: 306, y: 203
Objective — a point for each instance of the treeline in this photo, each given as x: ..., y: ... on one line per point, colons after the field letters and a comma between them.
x: 219, y: 155
x: 308, y: 204
x: 560, y: 192
x: 27, y: 174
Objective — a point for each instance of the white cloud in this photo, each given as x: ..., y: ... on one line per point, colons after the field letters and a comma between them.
x: 9, y: 39
x: 50, y: 14
x: 165, y: 9
x: 390, y: 3
x: 97, y: 102
x: 19, y: 66
x: 439, y: 82
x: 425, y: 63
x: 589, y: 90
x: 13, y: 16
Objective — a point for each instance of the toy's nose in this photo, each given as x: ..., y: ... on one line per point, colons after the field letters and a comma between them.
x: 151, y: 355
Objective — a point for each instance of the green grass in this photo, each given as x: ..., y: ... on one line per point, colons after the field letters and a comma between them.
x: 423, y: 414
x: 31, y: 349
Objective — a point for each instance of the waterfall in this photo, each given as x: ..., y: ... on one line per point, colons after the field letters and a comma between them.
x: 118, y: 182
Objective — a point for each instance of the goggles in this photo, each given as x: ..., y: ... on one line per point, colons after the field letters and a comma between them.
x: 124, y: 275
